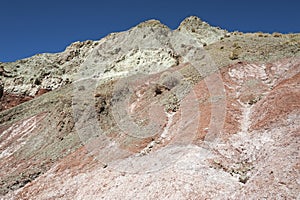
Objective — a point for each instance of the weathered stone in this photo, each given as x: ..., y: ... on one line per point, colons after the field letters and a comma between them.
x: 230, y: 132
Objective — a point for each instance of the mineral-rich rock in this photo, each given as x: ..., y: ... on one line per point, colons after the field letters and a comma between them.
x: 153, y: 113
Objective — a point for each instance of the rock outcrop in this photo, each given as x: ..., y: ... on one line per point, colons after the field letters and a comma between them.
x: 205, y: 33
x: 192, y: 113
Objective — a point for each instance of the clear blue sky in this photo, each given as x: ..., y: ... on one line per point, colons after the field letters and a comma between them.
x: 28, y: 27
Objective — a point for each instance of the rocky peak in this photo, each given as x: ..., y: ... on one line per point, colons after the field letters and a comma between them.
x: 191, y: 22
x: 203, y: 31
x: 152, y: 23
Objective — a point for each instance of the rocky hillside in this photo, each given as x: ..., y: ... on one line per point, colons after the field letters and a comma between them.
x: 153, y: 113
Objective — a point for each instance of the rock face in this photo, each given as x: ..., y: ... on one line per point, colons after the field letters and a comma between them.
x: 193, y: 113
x: 205, y: 33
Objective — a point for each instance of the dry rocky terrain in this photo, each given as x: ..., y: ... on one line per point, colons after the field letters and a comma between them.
x: 153, y: 113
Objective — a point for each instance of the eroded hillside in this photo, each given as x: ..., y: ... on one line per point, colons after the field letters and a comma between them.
x: 192, y: 113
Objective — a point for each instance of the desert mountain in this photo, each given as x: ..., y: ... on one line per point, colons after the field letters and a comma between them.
x: 154, y: 113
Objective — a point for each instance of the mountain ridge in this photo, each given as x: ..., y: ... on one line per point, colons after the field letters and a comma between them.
x: 153, y: 108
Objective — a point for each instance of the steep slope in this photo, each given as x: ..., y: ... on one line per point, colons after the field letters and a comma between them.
x: 150, y: 113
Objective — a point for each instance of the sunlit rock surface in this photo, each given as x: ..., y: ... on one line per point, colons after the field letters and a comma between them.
x: 152, y: 113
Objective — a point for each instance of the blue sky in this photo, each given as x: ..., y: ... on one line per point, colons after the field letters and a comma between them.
x: 30, y: 27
